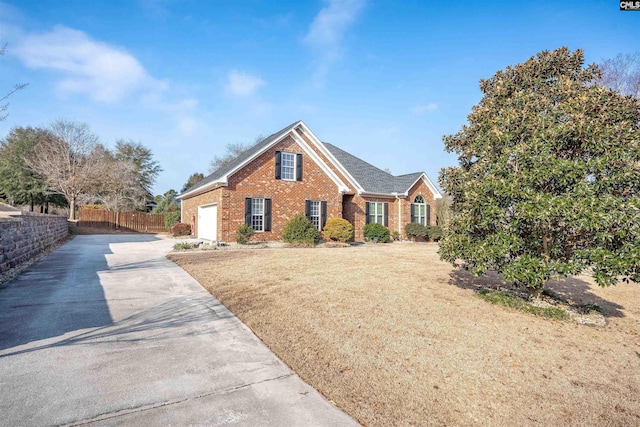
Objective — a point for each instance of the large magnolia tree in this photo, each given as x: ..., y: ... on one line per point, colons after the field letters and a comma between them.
x: 548, y: 182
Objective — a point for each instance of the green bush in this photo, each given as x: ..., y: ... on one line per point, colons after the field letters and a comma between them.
x: 429, y: 232
x: 170, y: 218
x: 435, y: 233
x: 413, y: 230
x: 395, y: 236
x: 300, y: 230
x: 376, y: 232
x: 182, y: 246
x: 244, y: 233
x: 180, y: 229
x: 338, y: 230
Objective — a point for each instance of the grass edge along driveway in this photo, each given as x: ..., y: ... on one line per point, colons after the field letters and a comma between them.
x: 394, y: 336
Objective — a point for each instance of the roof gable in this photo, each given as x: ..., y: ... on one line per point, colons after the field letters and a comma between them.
x: 366, y: 178
x: 220, y: 176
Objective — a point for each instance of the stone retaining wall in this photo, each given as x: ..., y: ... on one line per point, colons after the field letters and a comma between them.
x: 24, y: 235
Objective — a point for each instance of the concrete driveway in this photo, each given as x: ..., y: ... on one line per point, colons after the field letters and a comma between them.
x: 107, y: 331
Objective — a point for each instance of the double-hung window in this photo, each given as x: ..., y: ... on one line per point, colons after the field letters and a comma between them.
x: 288, y: 166
x: 377, y: 213
x: 316, y: 212
x: 257, y: 213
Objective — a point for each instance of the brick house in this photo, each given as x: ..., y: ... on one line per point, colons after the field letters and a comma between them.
x: 292, y: 171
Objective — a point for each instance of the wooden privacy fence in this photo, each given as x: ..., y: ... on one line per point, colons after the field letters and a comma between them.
x: 126, y: 221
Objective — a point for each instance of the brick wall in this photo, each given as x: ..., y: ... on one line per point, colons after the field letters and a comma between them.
x: 325, y: 159
x: 257, y: 180
x: 190, y: 209
x: 355, y: 211
x: 24, y: 235
x: 420, y: 188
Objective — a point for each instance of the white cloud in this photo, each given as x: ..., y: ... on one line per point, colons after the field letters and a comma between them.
x: 326, y: 33
x: 187, y: 125
x: 328, y: 27
x: 243, y: 84
x: 423, y: 109
x: 103, y: 72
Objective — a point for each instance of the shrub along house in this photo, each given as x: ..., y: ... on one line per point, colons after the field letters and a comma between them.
x: 292, y: 171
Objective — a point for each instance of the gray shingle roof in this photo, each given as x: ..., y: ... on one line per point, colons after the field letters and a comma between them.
x: 371, y: 178
x: 218, y: 174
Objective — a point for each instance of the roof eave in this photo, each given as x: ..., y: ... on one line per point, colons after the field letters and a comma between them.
x: 372, y: 194
x: 432, y: 187
x: 207, y: 187
x: 327, y: 153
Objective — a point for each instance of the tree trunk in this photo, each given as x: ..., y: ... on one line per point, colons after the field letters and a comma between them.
x: 72, y: 209
x: 546, y: 248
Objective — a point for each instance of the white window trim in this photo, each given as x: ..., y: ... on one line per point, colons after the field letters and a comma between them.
x: 282, y: 167
x: 319, y: 210
x: 257, y: 215
x: 420, y: 219
x: 421, y: 214
x: 376, y: 213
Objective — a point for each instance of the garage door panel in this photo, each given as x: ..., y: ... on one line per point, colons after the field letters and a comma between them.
x: 208, y: 222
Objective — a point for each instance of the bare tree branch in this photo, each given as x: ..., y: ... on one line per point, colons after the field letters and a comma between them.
x: 67, y: 161
x: 622, y: 74
x: 16, y: 88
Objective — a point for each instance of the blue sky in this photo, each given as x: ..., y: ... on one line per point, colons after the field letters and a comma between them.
x: 384, y: 80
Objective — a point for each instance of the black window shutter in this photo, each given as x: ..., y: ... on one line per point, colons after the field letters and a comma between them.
x: 428, y: 215
x: 366, y: 213
x: 307, y: 209
x: 278, y: 164
x: 298, y: 167
x: 413, y: 213
x: 386, y: 214
x: 267, y: 214
x: 247, y: 211
x: 323, y: 218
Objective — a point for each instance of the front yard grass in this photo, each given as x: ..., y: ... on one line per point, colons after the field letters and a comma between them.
x: 394, y: 336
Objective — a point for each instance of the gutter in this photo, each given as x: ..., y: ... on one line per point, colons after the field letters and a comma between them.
x: 386, y: 195
x: 200, y: 190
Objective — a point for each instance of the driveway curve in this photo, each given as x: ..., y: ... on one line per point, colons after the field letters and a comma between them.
x: 107, y: 331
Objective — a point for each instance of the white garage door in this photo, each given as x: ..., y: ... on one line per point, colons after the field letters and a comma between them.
x: 208, y: 222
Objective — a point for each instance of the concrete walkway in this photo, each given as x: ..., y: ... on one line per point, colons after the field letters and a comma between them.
x: 107, y: 331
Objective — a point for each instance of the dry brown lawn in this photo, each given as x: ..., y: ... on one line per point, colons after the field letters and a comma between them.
x: 394, y: 336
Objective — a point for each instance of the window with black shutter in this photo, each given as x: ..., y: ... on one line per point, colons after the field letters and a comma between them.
x: 288, y: 166
x: 257, y: 213
x: 316, y: 212
x: 377, y: 212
